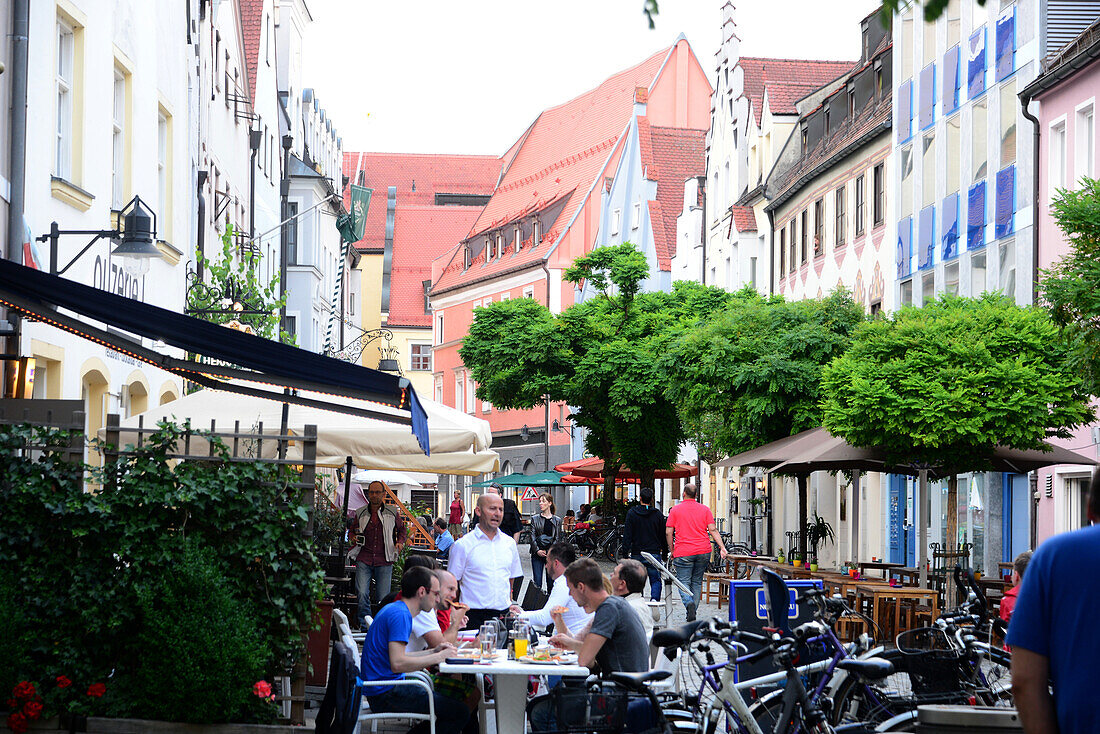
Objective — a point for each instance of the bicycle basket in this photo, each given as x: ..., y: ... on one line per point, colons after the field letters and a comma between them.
x: 934, y: 666
x: 600, y: 707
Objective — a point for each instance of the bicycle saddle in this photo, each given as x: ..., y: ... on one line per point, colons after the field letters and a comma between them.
x: 637, y: 681
x: 676, y: 636
x: 870, y: 668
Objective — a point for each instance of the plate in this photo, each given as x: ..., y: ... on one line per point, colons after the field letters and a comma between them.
x: 567, y: 660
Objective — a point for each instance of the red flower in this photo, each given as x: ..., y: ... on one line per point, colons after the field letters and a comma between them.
x: 33, y: 710
x: 24, y: 690
x: 262, y: 689
x: 63, y: 682
x: 97, y: 689
x: 17, y: 723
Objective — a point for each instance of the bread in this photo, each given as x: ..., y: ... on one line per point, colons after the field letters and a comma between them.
x: 559, y: 610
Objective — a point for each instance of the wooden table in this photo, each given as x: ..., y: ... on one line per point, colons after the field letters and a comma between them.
x: 510, y: 679
x: 907, y: 575
x: 880, y: 593
x: 866, y: 566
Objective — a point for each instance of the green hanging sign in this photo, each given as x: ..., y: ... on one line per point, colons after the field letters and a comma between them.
x: 351, y: 224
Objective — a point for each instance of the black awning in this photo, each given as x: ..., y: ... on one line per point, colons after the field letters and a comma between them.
x: 256, y: 359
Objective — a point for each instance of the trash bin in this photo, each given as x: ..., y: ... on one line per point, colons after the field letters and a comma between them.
x: 940, y: 719
x: 749, y: 610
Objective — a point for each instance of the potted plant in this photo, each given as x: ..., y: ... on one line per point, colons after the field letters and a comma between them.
x: 796, y: 559
x: 779, y: 556
x: 818, y: 530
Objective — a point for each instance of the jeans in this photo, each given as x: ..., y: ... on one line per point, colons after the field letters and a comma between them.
x: 689, y: 571
x: 450, y: 713
x: 382, y: 576
x: 654, y: 577
x: 538, y: 565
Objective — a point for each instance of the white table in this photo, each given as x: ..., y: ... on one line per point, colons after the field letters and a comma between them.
x: 510, y: 679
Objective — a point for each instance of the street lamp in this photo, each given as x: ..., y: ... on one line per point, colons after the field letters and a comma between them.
x: 136, y: 247
x: 557, y: 427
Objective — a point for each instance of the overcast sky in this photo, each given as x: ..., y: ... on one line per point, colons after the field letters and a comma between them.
x: 469, y: 76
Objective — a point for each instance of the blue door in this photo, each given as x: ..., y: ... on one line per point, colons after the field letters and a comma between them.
x: 897, y: 539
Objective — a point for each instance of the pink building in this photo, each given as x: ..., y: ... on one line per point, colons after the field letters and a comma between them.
x: 543, y: 214
x: 1064, y: 98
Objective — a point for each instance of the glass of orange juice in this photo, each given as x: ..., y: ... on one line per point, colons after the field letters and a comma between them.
x: 521, y: 631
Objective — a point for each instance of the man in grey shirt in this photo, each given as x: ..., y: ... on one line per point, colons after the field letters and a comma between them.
x: 616, y: 640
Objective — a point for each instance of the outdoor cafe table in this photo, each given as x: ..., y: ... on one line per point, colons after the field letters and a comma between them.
x: 880, y: 594
x: 510, y: 680
x: 865, y: 566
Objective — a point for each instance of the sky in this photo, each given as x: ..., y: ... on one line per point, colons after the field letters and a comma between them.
x: 447, y: 76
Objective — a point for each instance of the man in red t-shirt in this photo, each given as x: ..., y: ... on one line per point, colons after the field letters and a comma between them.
x: 689, y: 528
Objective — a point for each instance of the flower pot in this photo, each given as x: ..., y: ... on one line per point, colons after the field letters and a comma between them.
x: 798, y: 563
x: 317, y: 644
x: 813, y: 565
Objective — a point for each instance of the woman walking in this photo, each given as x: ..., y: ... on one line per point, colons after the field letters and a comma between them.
x: 458, y: 511
x: 545, y: 531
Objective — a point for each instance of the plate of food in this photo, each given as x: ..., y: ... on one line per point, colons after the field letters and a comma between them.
x: 549, y: 657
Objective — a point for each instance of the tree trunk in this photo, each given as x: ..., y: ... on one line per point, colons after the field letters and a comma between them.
x: 646, y: 479
x: 714, y: 493
x: 608, y: 487
x: 952, y: 510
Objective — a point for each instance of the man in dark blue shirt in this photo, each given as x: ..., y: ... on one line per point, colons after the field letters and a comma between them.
x: 1053, y: 633
x: 385, y: 657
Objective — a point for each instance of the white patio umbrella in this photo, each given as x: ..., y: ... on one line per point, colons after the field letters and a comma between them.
x: 459, y: 442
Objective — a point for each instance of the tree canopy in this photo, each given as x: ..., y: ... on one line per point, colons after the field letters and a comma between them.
x: 752, y: 374
x: 598, y: 356
x: 1071, y: 288
x: 943, y: 384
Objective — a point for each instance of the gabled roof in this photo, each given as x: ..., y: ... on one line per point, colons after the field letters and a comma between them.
x: 252, y: 19
x: 421, y: 233
x: 744, y: 218
x: 560, y: 157
x: 787, y: 81
x: 677, y: 154
x: 418, y: 178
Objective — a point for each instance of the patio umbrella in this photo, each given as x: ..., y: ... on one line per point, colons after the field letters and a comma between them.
x: 498, y: 480
x: 593, y: 468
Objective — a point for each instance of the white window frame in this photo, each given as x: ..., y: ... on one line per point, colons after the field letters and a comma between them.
x: 118, y: 138
x: 1057, y: 161
x: 529, y: 292
x: 471, y: 397
x: 1084, y: 141
x: 413, y: 347
x: 439, y: 328
x: 438, y: 388
x: 636, y: 220
x: 460, y: 391
x: 616, y: 221
x: 64, y: 82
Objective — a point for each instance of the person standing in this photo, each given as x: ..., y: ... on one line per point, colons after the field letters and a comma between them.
x: 381, y: 537
x: 644, y: 530
x: 485, y: 561
x: 1053, y: 631
x: 688, y: 531
x: 386, y: 657
x: 545, y: 531
x: 457, y: 512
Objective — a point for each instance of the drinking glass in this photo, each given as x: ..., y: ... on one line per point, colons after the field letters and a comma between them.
x: 520, y: 639
x: 488, y: 638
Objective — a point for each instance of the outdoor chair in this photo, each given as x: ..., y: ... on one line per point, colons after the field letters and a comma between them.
x: 340, y: 622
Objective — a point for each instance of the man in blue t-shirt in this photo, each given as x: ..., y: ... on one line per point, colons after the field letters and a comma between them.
x: 1053, y: 632
x: 385, y: 657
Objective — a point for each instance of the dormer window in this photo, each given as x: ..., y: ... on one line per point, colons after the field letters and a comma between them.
x: 851, y: 101
x: 516, y: 241
x: 500, y: 244
x: 490, y: 249
x: 805, y: 138
x: 466, y: 257
x: 827, y: 111
x: 535, y: 232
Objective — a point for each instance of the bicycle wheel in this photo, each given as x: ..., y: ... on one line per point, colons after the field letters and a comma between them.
x: 996, y: 677
x: 856, y: 701
x: 613, y: 547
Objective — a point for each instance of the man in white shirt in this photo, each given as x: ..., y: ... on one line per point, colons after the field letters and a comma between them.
x: 485, y: 560
x: 558, y: 557
x: 628, y: 581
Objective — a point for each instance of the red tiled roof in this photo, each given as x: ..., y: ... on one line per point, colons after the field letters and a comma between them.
x: 678, y: 154
x: 744, y: 219
x: 787, y: 81
x: 561, y: 155
x: 658, y: 223
x: 430, y: 173
x: 252, y: 20
x: 421, y: 233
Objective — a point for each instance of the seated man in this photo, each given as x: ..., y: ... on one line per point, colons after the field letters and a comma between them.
x: 628, y: 582
x: 575, y: 619
x: 427, y: 631
x: 386, y: 657
x: 443, y: 538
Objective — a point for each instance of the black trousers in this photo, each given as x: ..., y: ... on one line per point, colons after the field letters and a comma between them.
x: 476, y: 617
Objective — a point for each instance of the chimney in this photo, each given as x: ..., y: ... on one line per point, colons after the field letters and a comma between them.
x: 641, y: 99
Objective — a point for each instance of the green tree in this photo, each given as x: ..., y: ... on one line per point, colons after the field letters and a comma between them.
x: 944, y: 384
x: 1071, y: 288
x: 241, y: 273
x: 758, y: 366
x: 597, y: 356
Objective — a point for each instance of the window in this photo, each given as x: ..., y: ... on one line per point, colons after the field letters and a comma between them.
x: 819, y: 227
x: 466, y: 256
x: 904, y: 254
x: 500, y: 244
x: 794, y: 246
x: 66, y: 93
x: 839, y: 203
x: 1009, y: 104
x: 292, y: 233
x: 517, y: 239
x: 804, y: 230
x: 861, y: 196
x: 978, y: 141
x: 926, y: 238
x: 905, y: 111
x: 954, y: 152
x: 471, y: 402
x: 164, y: 174
x: 782, y: 252
x: 1006, y: 44
x: 975, y: 216
x: 950, y: 95
x: 977, y: 274
x: 906, y: 295
x: 491, y: 249
x: 529, y: 292
x: 460, y: 391
x: 878, y: 204
x: 118, y: 139
x: 439, y: 329
x: 928, y: 288
x: 1004, y: 210
x: 1085, y: 147
x: 1057, y: 157
x: 427, y: 286
x: 636, y: 220
x: 1007, y: 274
x: 752, y: 271
x: 438, y: 388
x: 975, y: 67
x: 928, y: 164
x: 954, y: 22
x: 420, y: 357
x: 907, y: 45
x: 906, y: 192
x: 928, y: 48
x: 851, y: 101
x: 292, y: 325
x: 536, y: 231
x: 951, y: 279
x: 927, y: 101
x: 616, y: 221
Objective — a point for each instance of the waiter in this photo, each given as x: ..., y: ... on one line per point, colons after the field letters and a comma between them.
x: 485, y: 561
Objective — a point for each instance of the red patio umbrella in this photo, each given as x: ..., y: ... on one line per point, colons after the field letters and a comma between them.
x: 593, y: 468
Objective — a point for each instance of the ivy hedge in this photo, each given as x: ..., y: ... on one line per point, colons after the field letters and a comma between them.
x: 163, y: 559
